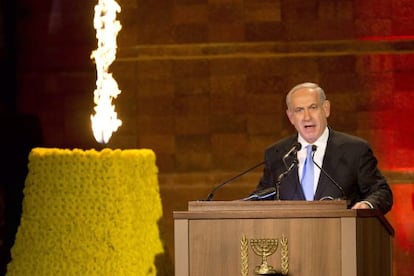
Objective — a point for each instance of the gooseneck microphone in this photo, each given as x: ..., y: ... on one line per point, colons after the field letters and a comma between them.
x: 293, y: 151
x: 270, y: 191
x: 261, y: 194
x: 314, y: 148
x: 213, y: 192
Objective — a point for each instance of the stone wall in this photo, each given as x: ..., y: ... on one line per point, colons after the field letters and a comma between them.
x: 203, y: 81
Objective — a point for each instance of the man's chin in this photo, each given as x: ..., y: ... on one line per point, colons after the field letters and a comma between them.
x: 309, y: 137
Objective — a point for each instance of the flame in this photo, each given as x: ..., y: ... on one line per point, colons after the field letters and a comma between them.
x: 105, y: 120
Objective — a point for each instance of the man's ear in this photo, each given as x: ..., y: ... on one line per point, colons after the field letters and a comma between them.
x: 327, y: 108
x: 289, y: 115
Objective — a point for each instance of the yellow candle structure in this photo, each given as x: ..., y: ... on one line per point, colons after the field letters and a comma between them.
x: 89, y: 213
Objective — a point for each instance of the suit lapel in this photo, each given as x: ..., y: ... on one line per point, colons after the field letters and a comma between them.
x: 331, y: 159
x: 290, y: 187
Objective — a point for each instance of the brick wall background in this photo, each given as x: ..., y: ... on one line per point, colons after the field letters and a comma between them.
x: 203, y: 83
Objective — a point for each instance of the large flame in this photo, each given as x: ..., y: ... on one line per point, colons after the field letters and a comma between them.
x: 105, y: 120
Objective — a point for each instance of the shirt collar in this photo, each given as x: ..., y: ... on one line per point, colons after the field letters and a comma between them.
x: 320, y: 142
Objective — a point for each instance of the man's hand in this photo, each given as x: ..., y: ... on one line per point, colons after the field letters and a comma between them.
x: 362, y: 205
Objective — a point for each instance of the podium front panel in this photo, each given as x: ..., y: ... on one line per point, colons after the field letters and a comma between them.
x: 314, y: 245
x: 304, y: 239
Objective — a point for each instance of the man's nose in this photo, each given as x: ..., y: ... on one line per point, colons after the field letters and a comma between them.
x: 306, y: 114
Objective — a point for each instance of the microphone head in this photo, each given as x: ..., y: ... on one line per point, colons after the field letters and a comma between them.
x: 265, y: 191
x: 293, y: 151
x: 314, y: 147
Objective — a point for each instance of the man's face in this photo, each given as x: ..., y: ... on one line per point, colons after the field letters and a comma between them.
x: 308, y: 114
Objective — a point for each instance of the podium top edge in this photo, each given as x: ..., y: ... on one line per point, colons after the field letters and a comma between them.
x: 265, y: 205
x: 280, y: 209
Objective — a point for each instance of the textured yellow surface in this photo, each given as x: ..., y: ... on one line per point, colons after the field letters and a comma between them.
x: 89, y: 213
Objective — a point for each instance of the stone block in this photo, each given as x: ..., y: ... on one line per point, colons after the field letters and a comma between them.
x: 227, y: 123
x: 193, y: 143
x: 342, y: 9
x: 223, y: 67
x: 264, y: 124
x: 373, y: 9
x: 374, y: 63
x: 191, y: 105
x: 153, y: 87
x: 155, y: 124
x: 371, y: 28
x: 194, y: 68
x: 154, y: 69
x: 229, y: 143
x: 159, y: 143
x: 192, y: 125
x: 191, y: 86
x: 157, y: 105
x: 264, y: 104
x: 191, y: 33
x: 404, y: 62
x: 226, y: 12
x: 227, y: 86
x: 264, y: 31
x: 193, y: 161
x: 273, y: 84
x: 190, y: 14
x: 403, y: 81
x: 263, y: 11
x: 224, y: 32
x: 232, y: 105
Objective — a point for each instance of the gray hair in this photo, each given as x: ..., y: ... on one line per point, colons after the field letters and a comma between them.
x: 309, y: 85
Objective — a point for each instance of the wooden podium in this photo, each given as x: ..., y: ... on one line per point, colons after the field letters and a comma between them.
x: 323, y: 238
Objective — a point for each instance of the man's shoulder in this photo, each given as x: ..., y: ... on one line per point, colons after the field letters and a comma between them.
x: 346, y: 138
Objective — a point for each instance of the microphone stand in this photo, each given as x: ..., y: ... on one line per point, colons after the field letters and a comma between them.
x: 327, y: 175
x: 296, y: 147
x: 283, y: 175
x: 213, y: 192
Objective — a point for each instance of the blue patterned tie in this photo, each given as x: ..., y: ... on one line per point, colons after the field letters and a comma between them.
x: 307, y: 176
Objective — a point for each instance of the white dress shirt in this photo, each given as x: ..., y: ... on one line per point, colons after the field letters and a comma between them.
x: 318, y: 157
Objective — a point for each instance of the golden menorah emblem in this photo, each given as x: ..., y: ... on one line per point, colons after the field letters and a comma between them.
x: 264, y: 248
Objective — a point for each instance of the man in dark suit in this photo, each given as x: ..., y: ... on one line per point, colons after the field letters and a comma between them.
x: 343, y: 166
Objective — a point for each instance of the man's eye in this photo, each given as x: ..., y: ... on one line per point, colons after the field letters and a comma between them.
x: 297, y: 110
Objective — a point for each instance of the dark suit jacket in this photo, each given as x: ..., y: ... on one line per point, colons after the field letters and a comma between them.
x: 349, y: 161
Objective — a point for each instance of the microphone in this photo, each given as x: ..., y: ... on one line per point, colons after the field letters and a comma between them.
x: 261, y: 194
x: 295, y: 148
x: 283, y: 175
x: 213, y: 192
x: 270, y: 191
x: 314, y: 148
